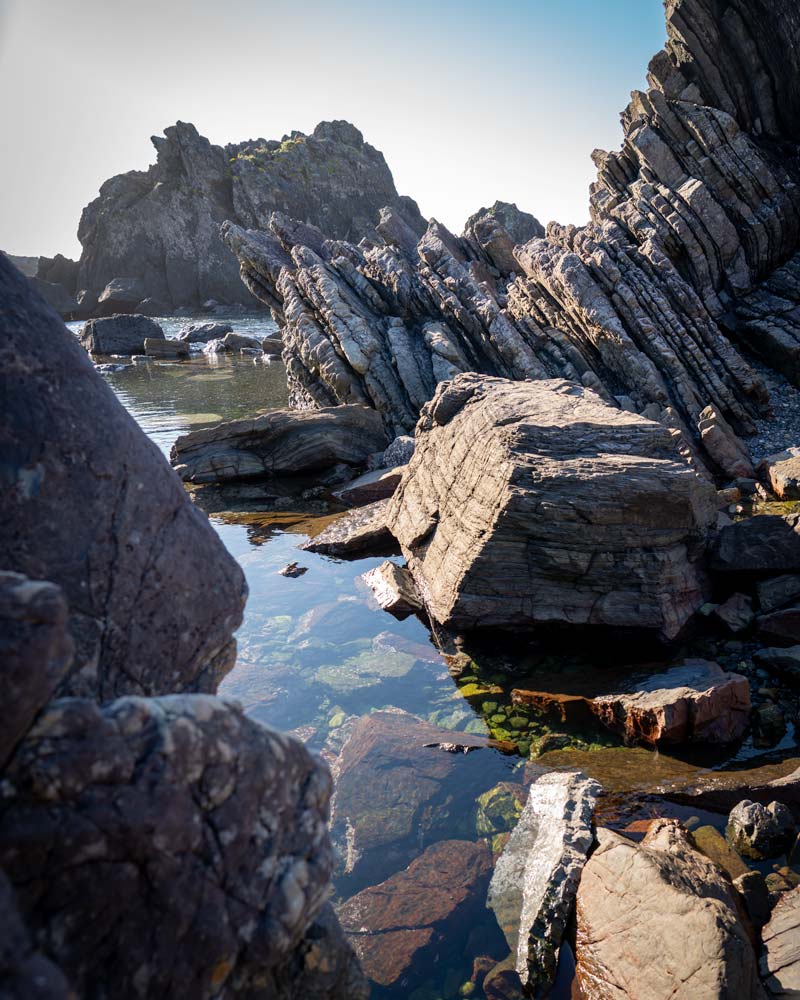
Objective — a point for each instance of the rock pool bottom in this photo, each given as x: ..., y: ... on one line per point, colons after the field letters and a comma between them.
x: 316, y: 657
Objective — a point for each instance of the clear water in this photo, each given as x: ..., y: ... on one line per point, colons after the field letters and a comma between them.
x: 314, y: 652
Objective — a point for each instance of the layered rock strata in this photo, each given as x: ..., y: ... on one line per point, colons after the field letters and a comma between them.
x: 534, y: 503
x: 695, y: 227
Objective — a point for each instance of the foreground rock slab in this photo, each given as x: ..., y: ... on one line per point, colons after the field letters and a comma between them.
x: 392, y: 925
x: 780, y: 962
x: 89, y: 504
x: 536, y: 877
x: 536, y: 503
x: 119, y: 334
x: 658, y: 921
x: 282, y: 442
x: 198, y: 818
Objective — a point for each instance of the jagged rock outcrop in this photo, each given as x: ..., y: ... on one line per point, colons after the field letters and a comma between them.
x: 160, y: 227
x: 695, y: 227
x: 154, y: 598
x: 535, y: 503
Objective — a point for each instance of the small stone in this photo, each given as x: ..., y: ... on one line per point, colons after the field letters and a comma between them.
x: 293, y: 570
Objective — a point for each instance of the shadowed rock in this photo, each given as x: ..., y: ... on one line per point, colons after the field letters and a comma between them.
x: 357, y: 533
x: 25, y: 973
x: 531, y: 503
x: 90, y: 504
x: 780, y: 962
x: 119, y: 334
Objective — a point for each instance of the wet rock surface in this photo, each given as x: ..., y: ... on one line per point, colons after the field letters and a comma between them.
x: 537, y: 503
x: 664, y: 892
x: 72, y: 456
x: 357, y: 533
x: 536, y: 877
x: 280, y: 443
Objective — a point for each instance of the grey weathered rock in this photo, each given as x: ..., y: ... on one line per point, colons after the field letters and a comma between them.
x: 758, y: 831
x: 736, y: 614
x: 230, y: 343
x: 393, y: 588
x: 763, y: 545
x: 532, y: 503
x: 89, y: 504
x: 35, y: 651
x: 536, y: 877
x: 119, y: 334
x: 160, y: 226
x: 781, y: 472
x: 780, y: 962
x: 778, y: 591
x: 696, y: 701
x: 121, y: 295
x: 201, y: 333
x: 357, y: 533
x: 25, y: 973
x: 657, y: 920
x: 398, y: 453
x: 166, y: 348
x: 379, y: 484
x: 165, y: 846
x: 279, y: 443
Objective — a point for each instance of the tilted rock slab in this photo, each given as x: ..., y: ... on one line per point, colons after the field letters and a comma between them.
x: 89, y: 504
x: 281, y: 442
x: 780, y: 962
x: 531, y: 503
x: 165, y: 847
x: 536, y: 877
x: 658, y: 921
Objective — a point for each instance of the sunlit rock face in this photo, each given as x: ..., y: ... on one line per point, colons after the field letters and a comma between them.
x: 537, y: 503
x: 695, y: 224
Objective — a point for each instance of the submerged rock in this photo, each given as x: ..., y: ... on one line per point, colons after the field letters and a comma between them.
x: 758, y: 831
x: 89, y: 503
x: 279, y: 443
x: 535, y: 503
x: 536, y: 877
x: 119, y: 334
x: 394, y: 926
x: 658, y: 919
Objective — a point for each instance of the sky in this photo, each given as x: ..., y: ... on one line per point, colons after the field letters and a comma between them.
x: 469, y: 101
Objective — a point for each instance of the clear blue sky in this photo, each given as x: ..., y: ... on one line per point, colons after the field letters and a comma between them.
x: 469, y: 101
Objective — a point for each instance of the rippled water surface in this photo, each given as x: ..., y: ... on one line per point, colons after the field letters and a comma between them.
x: 315, y: 653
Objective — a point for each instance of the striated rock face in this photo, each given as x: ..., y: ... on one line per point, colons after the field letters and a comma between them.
x: 530, y: 503
x: 154, y: 598
x: 279, y: 443
x: 780, y: 963
x: 694, y: 239
x: 536, y: 877
x: 208, y: 829
x: 160, y: 227
x: 664, y: 892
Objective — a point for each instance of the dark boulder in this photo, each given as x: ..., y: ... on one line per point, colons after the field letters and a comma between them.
x: 121, y: 295
x: 119, y: 334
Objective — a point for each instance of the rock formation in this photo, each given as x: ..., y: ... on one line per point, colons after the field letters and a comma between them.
x: 695, y: 224
x: 780, y: 963
x: 152, y: 846
x: 535, y: 503
x: 119, y: 334
x: 159, y: 228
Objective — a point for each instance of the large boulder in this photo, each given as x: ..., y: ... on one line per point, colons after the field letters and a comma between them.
x: 533, y: 888
x: 780, y: 962
x: 165, y: 847
x: 121, y: 295
x: 282, y: 443
x: 89, y: 504
x: 124, y: 334
x: 536, y: 503
x: 659, y: 920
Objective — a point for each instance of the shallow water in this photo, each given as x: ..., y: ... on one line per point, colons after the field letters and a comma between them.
x: 314, y: 652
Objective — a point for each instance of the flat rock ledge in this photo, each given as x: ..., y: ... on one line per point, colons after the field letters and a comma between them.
x: 536, y: 503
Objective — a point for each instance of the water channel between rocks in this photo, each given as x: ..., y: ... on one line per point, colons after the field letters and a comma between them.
x: 315, y: 653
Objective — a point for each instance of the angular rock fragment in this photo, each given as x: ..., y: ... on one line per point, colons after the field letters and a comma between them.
x: 536, y: 503
x: 371, y: 487
x: 536, y: 877
x: 90, y: 504
x: 658, y: 919
x: 165, y: 348
x: 393, y: 588
x: 736, y: 614
x: 357, y: 533
x: 394, y: 925
x: 279, y: 443
x: 119, y: 334
x: 782, y: 473
x: 780, y: 962
x: 765, y: 545
x: 778, y: 591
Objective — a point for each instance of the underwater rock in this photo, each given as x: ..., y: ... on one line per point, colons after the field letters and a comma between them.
x: 780, y: 961
x: 279, y: 443
x: 536, y: 877
x: 658, y: 919
x: 119, y: 334
x: 536, y: 503
x: 758, y: 831
x: 90, y: 505
x: 396, y: 924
